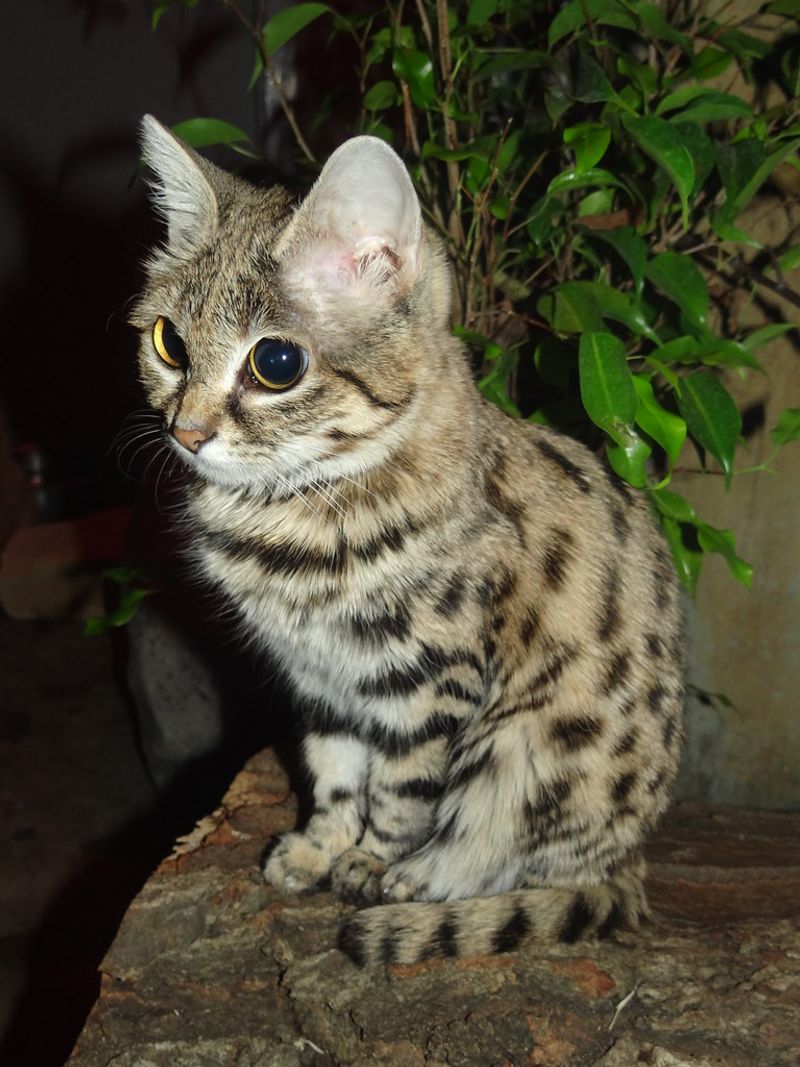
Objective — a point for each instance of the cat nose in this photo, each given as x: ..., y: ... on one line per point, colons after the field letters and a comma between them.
x: 191, y: 438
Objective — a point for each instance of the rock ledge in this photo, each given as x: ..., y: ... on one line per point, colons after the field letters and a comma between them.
x: 212, y: 967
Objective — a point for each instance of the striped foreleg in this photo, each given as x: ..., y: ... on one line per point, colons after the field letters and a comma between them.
x: 302, y: 860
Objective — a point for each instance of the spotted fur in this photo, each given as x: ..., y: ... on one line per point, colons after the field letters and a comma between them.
x: 479, y: 620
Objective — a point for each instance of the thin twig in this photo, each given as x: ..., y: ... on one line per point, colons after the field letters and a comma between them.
x: 517, y: 192
x: 745, y: 272
x: 274, y: 81
x: 425, y: 23
x: 450, y: 137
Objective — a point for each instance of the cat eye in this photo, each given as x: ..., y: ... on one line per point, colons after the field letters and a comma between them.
x: 168, y: 343
x: 277, y: 364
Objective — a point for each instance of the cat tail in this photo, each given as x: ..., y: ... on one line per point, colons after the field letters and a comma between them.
x: 414, y: 932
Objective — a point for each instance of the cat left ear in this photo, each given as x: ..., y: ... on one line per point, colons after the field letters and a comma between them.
x: 182, y: 191
x: 361, y: 220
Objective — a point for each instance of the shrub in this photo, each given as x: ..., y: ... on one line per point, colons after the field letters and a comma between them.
x: 588, y: 164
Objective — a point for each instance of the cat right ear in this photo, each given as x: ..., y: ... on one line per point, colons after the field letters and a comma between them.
x: 182, y: 192
x: 358, y: 231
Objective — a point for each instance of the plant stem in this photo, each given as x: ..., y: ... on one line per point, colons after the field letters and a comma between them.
x: 450, y: 138
x: 745, y: 272
x: 274, y: 81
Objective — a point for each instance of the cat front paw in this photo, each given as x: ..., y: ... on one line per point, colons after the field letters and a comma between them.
x: 356, y: 877
x: 297, y: 864
x: 407, y: 879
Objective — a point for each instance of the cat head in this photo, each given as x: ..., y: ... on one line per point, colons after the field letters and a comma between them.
x: 284, y: 345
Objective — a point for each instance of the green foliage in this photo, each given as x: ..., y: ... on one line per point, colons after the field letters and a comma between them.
x: 588, y: 164
x: 131, y: 585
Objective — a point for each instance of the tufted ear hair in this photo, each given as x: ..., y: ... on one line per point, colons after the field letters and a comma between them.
x: 181, y: 189
x: 360, y: 225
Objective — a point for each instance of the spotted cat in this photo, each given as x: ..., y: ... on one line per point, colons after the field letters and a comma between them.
x: 480, y: 621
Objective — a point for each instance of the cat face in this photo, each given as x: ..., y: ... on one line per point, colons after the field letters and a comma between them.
x: 284, y: 347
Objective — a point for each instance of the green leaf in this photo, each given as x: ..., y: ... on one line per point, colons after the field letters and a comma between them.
x: 787, y: 428
x: 570, y: 310
x: 656, y: 24
x: 766, y: 334
x: 700, y: 148
x: 710, y: 63
x: 704, y: 105
x: 679, y: 350
x: 380, y: 96
x: 666, y: 429
x: 513, y: 61
x: 285, y: 24
x: 513, y: 287
x: 722, y: 541
x: 673, y: 506
x: 785, y: 7
x: 612, y: 304
x: 380, y: 44
x: 790, y: 260
x: 678, y: 277
x: 120, y: 616
x: 479, y: 340
x: 255, y: 73
x: 416, y: 68
x: 540, y: 223
x: 666, y: 373
x: 726, y: 231
x: 640, y: 75
x: 711, y: 416
x: 480, y: 11
x: 631, y: 249
x: 577, y: 13
x: 201, y: 132
x: 743, y: 45
x: 763, y: 172
x: 628, y: 457
x: 436, y: 151
x: 591, y: 84
x: 600, y: 202
x: 720, y: 352
x: 589, y: 141
x: 607, y: 391
x: 494, y: 384
x: 125, y: 574
x: 659, y: 140
x: 687, y: 559
x: 736, y: 164
x: 575, y: 179
x: 158, y: 12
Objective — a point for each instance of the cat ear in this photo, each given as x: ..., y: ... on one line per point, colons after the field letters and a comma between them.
x: 361, y: 220
x: 181, y: 190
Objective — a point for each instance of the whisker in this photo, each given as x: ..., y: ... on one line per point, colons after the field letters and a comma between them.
x: 322, y: 490
x: 170, y: 456
x: 131, y: 433
x: 132, y: 460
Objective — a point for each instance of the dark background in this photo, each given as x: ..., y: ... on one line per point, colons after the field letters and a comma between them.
x: 75, y: 77
x: 82, y: 824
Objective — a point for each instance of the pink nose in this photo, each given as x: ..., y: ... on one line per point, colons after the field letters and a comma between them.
x: 191, y: 439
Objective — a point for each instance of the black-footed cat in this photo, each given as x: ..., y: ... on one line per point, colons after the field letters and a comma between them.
x: 481, y: 622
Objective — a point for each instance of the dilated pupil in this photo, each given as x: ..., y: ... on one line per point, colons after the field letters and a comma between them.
x: 279, y: 362
x: 172, y: 342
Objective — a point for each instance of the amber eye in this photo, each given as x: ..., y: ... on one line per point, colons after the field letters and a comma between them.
x: 168, y: 343
x: 277, y: 364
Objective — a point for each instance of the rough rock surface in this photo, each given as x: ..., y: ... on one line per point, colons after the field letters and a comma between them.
x: 212, y: 967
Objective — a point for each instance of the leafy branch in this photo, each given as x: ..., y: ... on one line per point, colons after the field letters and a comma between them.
x: 592, y: 166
